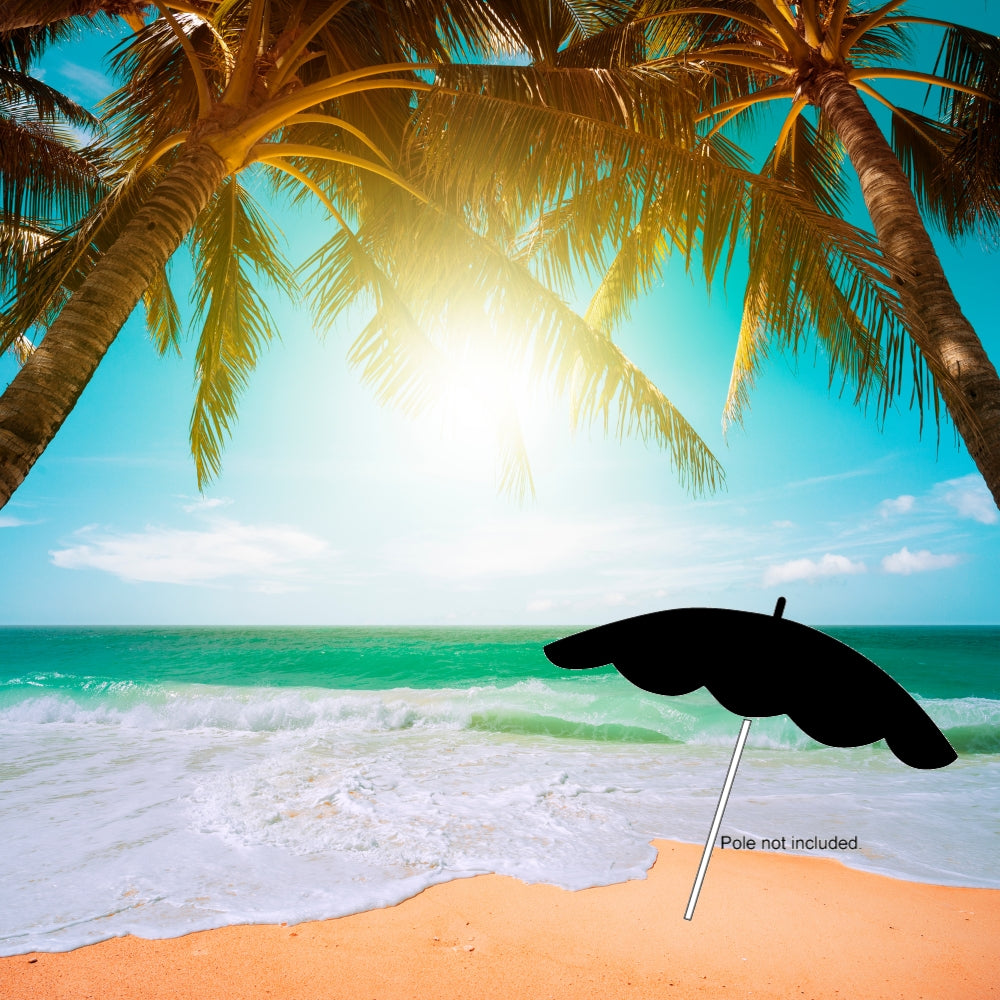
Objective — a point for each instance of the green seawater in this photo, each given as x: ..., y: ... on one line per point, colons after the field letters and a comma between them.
x: 946, y: 663
x: 342, y: 658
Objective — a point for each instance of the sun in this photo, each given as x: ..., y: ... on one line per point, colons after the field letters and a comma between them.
x: 489, y: 417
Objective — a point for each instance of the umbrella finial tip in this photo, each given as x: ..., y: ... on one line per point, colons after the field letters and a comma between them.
x: 779, y: 607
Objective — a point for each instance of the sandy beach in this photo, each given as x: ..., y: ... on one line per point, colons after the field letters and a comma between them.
x: 767, y: 926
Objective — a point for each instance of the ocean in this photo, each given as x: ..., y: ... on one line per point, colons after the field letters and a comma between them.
x: 158, y: 781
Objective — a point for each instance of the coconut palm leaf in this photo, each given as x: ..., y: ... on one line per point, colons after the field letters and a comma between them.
x: 532, y: 329
x: 44, y: 174
x: 163, y: 316
x: 926, y: 151
x: 60, y: 260
x: 811, y: 158
x: 54, y: 19
x: 234, y: 250
x: 647, y: 198
x: 48, y: 178
x: 515, y: 478
x: 793, y: 296
x: 393, y: 352
x: 972, y: 164
x: 19, y: 88
x: 153, y: 64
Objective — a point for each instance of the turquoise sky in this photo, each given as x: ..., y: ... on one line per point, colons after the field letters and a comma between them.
x: 332, y: 511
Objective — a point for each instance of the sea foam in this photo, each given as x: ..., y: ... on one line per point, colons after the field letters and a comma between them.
x: 161, y: 808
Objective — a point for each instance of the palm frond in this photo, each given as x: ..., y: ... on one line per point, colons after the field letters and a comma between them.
x: 636, y: 267
x: 889, y: 41
x: 18, y: 247
x: 753, y: 348
x: 48, y: 178
x: 925, y: 148
x: 605, y: 36
x: 438, y: 30
x: 351, y: 271
x: 812, y: 160
x: 163, y: 317
x: 404, y: 366
x: 354, y: 190
x: 673, y: 26
x: 59, y: 261
x: 153, y: 63
x: 544, y: 136
x: 28, y: 28
x: 44, y: 175
x: 547, y: 32
x: 235, y: 250
x: 20, y: 90
x: 973, y: 58
x: 39, y: 24
x: 532, y: 329
x: 578, y: 236
x: 22, y: 349
x: 973, y: 164
x: 814, y: 278
x: 514, y: 468
x: 731, y: 54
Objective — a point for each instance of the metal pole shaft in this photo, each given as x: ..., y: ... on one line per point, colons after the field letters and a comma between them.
x: 717, y: 822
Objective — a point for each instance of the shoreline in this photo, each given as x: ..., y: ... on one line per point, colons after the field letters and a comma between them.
x: 767, y: 925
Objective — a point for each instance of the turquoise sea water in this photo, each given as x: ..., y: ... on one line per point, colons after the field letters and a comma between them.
x: 158, y: 781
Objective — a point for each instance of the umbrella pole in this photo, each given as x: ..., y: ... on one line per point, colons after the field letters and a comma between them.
x: 717, y: 822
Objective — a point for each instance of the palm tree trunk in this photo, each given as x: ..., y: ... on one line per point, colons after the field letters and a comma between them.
x: 46, y: 389
x: 964, y: 374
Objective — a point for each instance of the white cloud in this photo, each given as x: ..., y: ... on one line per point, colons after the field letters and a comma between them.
x: 630, y: 558
x: 970, y: 497
x: 782, y: 524
x: 808, y: 569
x: 635, y: 552
x: 525, y: 546
x: 540, y: 605
x: 266, y: 558
x: 206, y: 503
x: 905, y: 562
x: 834, y: 477
x: 901, y: 505
x: 91, y: 83
x: 10, y: 522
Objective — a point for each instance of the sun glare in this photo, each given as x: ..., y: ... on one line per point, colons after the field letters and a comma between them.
x: 488, y: 419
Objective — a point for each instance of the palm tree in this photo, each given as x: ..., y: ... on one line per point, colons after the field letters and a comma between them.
x: 317, y: 96
x: 646, y: 191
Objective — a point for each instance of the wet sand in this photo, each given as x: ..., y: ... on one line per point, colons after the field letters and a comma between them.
x: 766, y: 926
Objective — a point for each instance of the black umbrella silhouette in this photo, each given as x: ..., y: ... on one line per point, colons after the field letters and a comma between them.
x: 830, y: 691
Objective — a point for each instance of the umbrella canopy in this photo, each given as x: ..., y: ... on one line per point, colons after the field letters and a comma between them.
x: 830, y: 691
